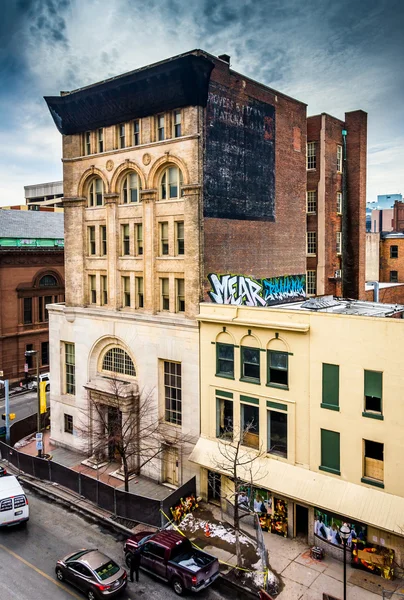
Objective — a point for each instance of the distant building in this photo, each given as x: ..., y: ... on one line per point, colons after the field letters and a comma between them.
x: 31, y: 277
x: 383, y: 202
x: 336, y: 197
x: 44, y: 195
x: 382, y: 220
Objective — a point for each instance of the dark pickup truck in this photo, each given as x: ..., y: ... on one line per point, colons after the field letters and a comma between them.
x: 171, y: 557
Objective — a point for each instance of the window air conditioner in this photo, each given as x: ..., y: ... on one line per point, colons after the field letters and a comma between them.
x: 338, y: 274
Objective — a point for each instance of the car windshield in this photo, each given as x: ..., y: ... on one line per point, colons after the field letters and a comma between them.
x: 107, y: 570
x: 77, y: 555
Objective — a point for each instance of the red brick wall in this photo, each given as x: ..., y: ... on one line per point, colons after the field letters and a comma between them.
x: 388, y: 264
x: 264, y: 248
x: 398, y: 217
x: 19, y: 270
x: 390, y: 295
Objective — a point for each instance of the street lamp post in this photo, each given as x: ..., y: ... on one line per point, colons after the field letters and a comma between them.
x: 38, y: 415
x: 344, y: 532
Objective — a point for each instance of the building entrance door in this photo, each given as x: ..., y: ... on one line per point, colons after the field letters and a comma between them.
x: 214, y: 486
x: 301, y: 521
x: 114, y: 432
x: 170, y: 466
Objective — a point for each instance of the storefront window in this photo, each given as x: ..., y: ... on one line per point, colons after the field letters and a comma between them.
x: 326, y: 527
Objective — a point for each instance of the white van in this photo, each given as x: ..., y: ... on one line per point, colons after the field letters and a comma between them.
x: 14, y: 507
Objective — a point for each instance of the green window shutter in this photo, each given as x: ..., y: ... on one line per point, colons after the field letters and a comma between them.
x: 373, y: 383
x: 330, y: 451
x: 330, y: 385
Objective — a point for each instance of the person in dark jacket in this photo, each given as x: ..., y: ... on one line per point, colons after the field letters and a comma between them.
x: 134, y: 565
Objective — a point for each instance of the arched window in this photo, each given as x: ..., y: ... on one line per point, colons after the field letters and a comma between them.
x: 116, y: 360
x: 131, y: 188
x: 48, y: 281
x: 96, y: 193
x: 171, y: 183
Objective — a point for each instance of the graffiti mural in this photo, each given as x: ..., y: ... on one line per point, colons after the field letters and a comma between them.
x: 238, y: 289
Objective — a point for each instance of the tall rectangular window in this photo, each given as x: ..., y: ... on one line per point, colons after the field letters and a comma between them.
x: 44, y: 353
x: 126, y: 291
x: 121, y: 133
x: 330, y: 452
x: 139, y: 292
x: 91, y: 241
x: 100, y: 138
x: 164, y: 245
x: 42, y: 310
x: 311, y: 202
x: 311, y: 283
x: 160, y: 128
x: 92, y: 287
x: 277, y: 431
x: 393, y: 276
x: 330, y: 393
x: 339, y: 203
x: 373, y: 467
x: 250, y: 363
x: 87, y: 142
x: 68, y: 423
x: 125, y: 240
x: 70, y: 369
x: 278, y: 368
x: 180, y: 285
x: 139, y: 239
x: 339, y: 159
x: 172, y: 392
x: 311, y: 155
x: 103, y: 240
x: 29, y: 358
x: 225, y: 360
x: 136, y: 132
x: 224, y: 418
x: 311, y: 242
x: 165, y: 293
x: 250, y: 425
x: 339, y: 242
x: 373, y: 392
x: 393, y: 251
x: 104, y: 290
x: 177, y: 123
x: 27, y: 311
x: 179, y: 237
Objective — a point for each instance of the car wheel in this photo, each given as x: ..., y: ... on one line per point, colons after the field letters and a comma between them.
x: 128, y: 556
x: 91, y: 595
x: 59, y: 574
x: 178, y: 587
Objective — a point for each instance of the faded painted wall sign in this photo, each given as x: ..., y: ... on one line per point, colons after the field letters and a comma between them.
x: 239, y: 166
x: 238, y: 289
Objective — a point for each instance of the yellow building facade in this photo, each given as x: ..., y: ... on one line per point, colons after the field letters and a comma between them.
x: 317, y: 395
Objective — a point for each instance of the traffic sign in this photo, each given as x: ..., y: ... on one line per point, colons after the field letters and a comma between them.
x: 26, y: 368
x: 39, y: 445
x: 38, y: 437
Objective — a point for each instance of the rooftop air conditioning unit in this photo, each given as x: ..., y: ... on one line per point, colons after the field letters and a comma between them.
x: 338, y: 274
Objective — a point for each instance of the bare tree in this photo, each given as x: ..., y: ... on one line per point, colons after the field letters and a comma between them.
x: 240, y: 451
x: 126, y: 422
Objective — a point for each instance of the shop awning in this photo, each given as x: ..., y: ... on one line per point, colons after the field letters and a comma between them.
x: 358, y: 503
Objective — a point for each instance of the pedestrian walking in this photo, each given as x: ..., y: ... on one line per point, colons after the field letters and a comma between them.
x: 134, y: 565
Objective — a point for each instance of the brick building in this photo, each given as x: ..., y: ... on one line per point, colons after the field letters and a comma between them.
x: 336, y: 202
x: 31, y: 276
x: 172, y: 173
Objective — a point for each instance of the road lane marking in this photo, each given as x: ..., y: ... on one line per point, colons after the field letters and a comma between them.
x: 18, y: 557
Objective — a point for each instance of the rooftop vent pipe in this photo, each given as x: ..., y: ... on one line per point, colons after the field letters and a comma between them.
x: 375, y: 290
x: 225, y: 58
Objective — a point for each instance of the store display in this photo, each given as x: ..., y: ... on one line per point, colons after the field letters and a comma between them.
x: 373, y: 558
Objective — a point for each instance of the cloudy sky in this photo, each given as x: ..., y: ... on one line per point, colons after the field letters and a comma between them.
x: 335, y: 56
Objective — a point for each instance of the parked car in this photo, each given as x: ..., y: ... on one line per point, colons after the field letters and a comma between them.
x: 42, y: 377
x: 93, y: 573
x: 171, y: 557
x: 14, y: 509
x: 3, y: 471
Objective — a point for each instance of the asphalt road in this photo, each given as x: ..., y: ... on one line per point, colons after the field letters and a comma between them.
x: 22, y: 405
x: 28, y: 556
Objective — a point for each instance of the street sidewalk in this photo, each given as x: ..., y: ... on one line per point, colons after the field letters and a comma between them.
x: 302, y: 578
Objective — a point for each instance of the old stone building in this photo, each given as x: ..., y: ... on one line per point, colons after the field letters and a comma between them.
x: 172, y: 173
x: 31, y: 277
x: 336, y: 203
